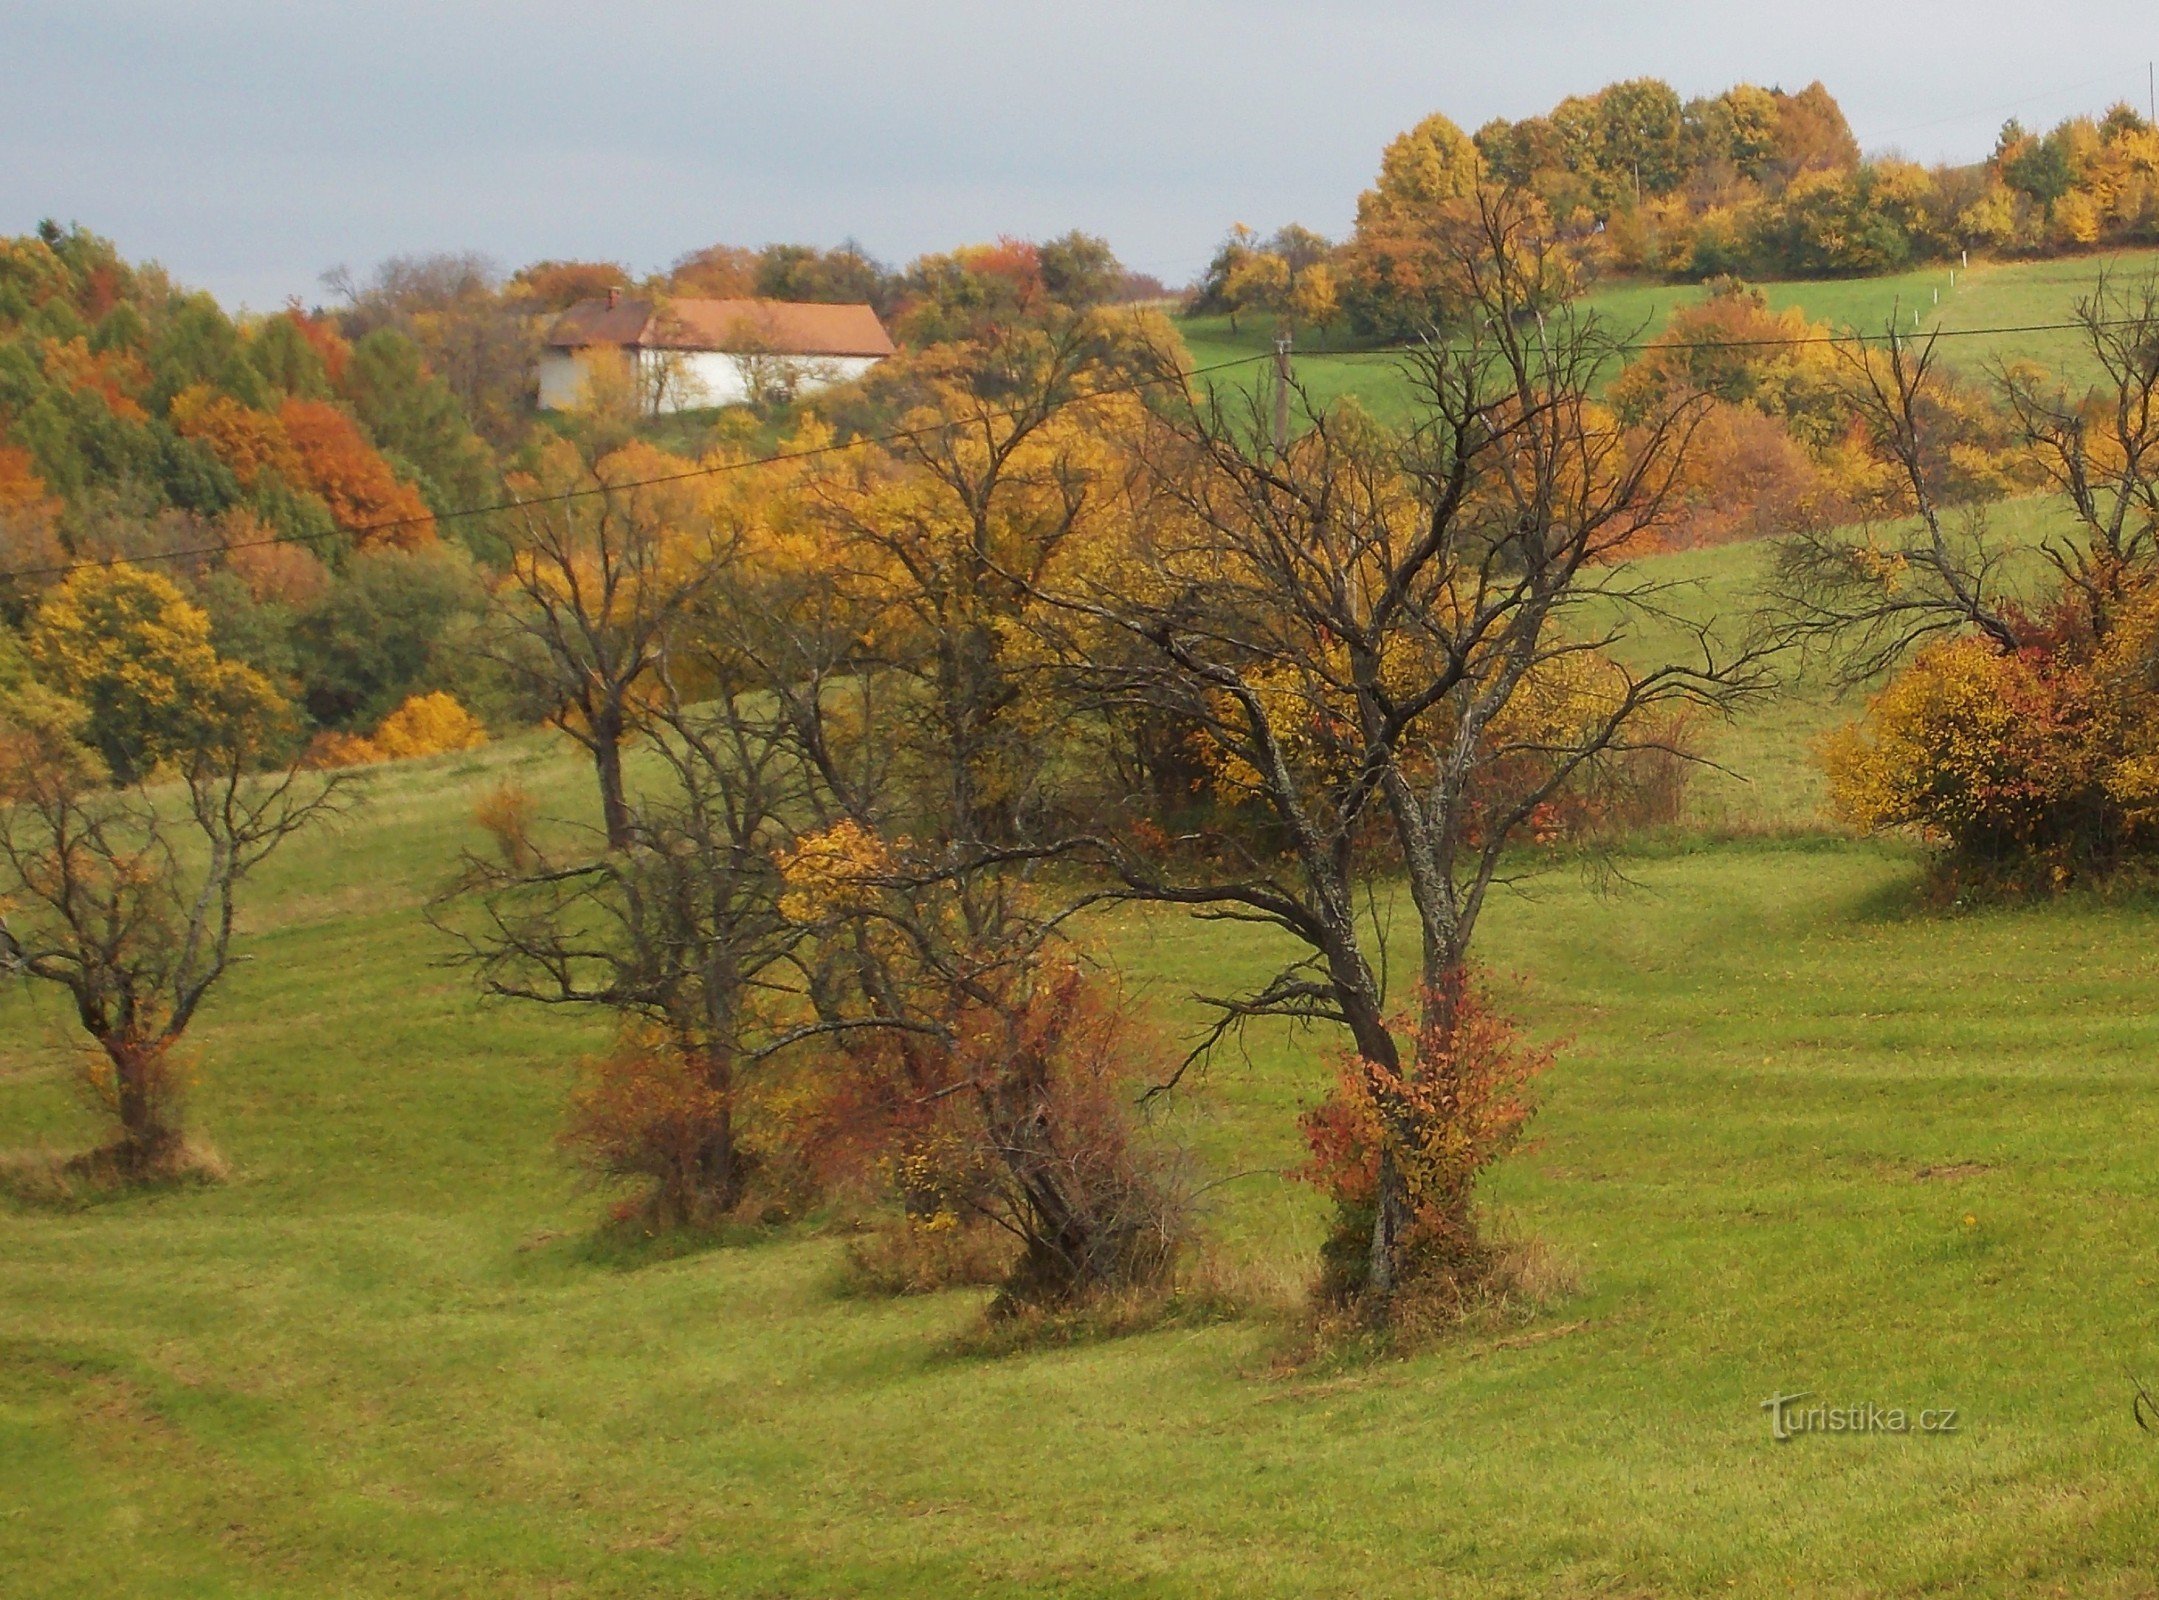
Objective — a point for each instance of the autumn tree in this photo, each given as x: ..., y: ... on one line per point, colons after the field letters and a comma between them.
x: 478, y: 340
x: 126, y: 900
x: 976, y: 1049
x: 410, y: 413
x: 604, y: 566
x: 1875, y: 592
x: 135, y: 654
x: 1397, y: 648
x: 717, y: 272
x: 674, y: 928
x: 844, y: 275
x: 1080, y: 271
x: 2018, y: 729
x: 1387, y: 266
x: 554, y: 286
x: 1314, y: 300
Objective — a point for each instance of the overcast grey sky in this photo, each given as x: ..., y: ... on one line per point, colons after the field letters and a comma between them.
x: 250, y: 144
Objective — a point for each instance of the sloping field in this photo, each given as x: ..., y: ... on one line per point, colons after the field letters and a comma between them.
x: 1989, y: 295
x: 1805, y: 1136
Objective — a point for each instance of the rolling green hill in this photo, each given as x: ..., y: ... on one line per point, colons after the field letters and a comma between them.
x: 1988, y: 295
x: 1804, y: 1136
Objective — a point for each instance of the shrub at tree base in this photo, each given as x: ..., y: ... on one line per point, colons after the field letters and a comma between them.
x: 645, y: 1110
x: 1017, y: 1161
x: 923, y: 1254
x: 2038, y: 764
x: 1090, y: 1205
x: 1461, y: 1106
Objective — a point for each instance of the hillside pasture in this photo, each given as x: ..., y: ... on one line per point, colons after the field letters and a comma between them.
x: 1988, y: 295
x: 1805, y: 1134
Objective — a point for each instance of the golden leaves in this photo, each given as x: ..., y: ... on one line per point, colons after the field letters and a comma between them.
x: 831, y: 873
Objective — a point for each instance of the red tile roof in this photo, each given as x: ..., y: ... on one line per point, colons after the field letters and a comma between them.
x: 781, y: 327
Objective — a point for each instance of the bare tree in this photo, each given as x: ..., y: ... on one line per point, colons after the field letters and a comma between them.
x: 1399, y: 647
x: 2100, y: 451
x: 676, y: 923
x: 1874, y: 593
x: 771, y: 378
x: 126, y: 900
x: 451, y: 303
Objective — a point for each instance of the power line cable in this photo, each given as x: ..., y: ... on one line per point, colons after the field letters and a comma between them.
x: 1754, y: 344
x: 2005, y: 105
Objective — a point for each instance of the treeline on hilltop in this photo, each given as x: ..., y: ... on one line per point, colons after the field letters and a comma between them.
x: 295, y: 494
x: 1752, y: 182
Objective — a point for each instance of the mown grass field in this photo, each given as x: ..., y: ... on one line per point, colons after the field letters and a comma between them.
x: 1988, y: 295
x: 1806, y: 1134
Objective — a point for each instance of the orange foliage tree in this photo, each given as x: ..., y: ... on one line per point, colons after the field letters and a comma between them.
x: 336, y: 462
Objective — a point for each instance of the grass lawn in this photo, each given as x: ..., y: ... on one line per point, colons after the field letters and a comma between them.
x: 1988, y: 295
x: 1804, y: 1135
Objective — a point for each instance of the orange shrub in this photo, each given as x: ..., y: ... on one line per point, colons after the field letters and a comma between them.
x: 1747, y: 477
x: 507, y: 813
x: 2047, y: 756
x: 330, y: 749
x: 646, y: 1109
x: 1461, y: 1105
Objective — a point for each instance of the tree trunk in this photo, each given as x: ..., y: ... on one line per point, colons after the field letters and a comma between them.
x: 720, y: 1175
x: 1390, y: 1207
x: 607, y: 763
x: 141, y: 1096
x: 1390, y: 1220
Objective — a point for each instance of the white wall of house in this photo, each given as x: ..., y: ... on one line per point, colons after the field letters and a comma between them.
x: 685, y: 380
x: 562, y: 380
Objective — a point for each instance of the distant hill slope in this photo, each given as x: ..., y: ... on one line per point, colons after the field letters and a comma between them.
x: 1986, y: 295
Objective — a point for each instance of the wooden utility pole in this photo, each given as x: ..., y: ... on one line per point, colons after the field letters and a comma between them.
x: 1281, y: 393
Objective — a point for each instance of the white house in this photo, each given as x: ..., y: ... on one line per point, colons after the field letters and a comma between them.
x: 686, y: 353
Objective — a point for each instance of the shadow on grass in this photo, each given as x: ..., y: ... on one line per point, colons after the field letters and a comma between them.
x: 626, y: 1244
x: 996, y: 1334
x: 1934, y: 892
x: 1908, y: 897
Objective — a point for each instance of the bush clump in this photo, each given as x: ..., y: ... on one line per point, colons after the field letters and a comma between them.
x: 2040, y: 763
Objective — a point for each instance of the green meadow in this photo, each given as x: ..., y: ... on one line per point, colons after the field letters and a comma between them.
x: 1805, y: 1133
x: 1986, y: 296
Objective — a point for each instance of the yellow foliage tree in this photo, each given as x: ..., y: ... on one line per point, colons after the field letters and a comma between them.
x: 428, y: 725
x: 128, y: 647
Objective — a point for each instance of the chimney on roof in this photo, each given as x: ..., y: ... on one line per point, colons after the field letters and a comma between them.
x: 613, y: 296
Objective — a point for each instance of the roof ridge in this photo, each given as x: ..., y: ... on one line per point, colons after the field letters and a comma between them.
x: 714, y: 323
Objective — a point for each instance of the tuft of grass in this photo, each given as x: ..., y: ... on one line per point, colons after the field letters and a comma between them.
x: 43, y: 1179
